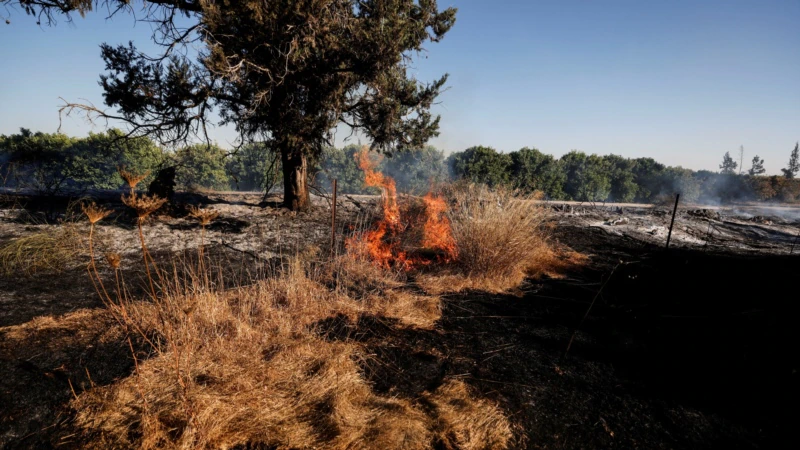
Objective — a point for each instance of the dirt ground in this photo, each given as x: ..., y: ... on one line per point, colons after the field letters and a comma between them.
x: 695, y: 347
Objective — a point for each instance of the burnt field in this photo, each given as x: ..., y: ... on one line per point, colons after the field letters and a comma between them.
x: 694, y: 347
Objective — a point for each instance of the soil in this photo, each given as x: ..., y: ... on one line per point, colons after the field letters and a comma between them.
x: 694, y: 347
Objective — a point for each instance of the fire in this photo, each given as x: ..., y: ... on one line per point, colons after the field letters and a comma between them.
x: 383, y: 243
x: 436, y: 232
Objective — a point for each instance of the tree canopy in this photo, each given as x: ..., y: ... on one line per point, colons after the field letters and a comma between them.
x: 728, y: 165
x: 791, y: 169
x: 283, y: 71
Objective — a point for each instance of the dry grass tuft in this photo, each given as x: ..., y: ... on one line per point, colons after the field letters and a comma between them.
x: 257, y: 366
x: 469, y: 423
x: 502, y: 238
x: 49, y: 251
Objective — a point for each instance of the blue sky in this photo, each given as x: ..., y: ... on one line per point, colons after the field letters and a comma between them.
x: 680, y: 81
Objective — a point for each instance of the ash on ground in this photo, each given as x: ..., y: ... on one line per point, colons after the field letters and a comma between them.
x: 735, y: 228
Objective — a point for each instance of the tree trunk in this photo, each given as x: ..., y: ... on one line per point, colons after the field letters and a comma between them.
x: 295, y: 180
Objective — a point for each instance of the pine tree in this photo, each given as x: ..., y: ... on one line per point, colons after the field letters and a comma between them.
x: 728, y: 165
x: 758, y: 166
x: 794, y: 163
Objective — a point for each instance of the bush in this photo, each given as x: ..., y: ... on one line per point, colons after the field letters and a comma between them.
x: 501, y: 237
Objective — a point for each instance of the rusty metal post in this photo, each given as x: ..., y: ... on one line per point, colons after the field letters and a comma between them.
x: 672, y: 223
x: 333, y: 221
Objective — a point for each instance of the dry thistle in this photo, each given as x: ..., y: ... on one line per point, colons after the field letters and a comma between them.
x: 143, y: 204
x: 132, y: 178
x: 114, y: 260
x: 95, y: 213
x: 204, y: 216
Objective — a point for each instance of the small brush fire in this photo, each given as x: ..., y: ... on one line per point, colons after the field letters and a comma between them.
x: 403, y: 243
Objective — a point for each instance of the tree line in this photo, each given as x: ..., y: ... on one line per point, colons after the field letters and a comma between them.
x: 56, y: 163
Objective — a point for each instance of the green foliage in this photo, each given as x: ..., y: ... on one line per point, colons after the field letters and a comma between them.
x: 341, y: 164
x: 587, y: 177
x: 794, y: 163
x: 728, y: 165
x: 201, y: 166
x: 415, y: 170
x: 622, y: 178
x: 757, y: 167
x: 681, y: 181
x: 53, y: 163
x: 532, y: 170
x: 254, y: 167
x: 481, y: 165
x: 648, y: 174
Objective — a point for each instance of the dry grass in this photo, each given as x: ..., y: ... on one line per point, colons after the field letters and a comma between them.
x: 258, y: 366
x: 475, y: 424
x: 502, y: 238
x: 50, y: 251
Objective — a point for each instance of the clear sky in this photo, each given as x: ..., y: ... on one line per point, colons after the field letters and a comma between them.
x: 680, y: 81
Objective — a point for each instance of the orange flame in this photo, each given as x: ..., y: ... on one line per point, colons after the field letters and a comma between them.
x: 382, y: 244
x: 436, y: 232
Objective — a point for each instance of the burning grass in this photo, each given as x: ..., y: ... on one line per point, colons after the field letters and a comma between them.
x: 501, y: 237
x: 278, y: 363
x: 267, y: 365
x: 466, y: 237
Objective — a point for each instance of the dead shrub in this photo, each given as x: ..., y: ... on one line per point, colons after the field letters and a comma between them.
x: 502, y: 237
x: 50, y: 251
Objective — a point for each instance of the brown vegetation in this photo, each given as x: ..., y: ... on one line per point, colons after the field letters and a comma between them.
x: 266, y: 364
x: 47, y: 251
x: 256, y: 365
x: 502, y: 237
x: 276, y: 361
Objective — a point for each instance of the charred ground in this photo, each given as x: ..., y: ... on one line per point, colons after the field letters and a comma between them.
x: 690, y: 348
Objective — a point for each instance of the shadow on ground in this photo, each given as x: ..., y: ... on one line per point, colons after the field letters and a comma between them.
x: 683, y: 349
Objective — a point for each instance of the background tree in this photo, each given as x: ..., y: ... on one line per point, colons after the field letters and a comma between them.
x: 341, y: 164
x: 757, y: 167
x: 532, y: 170
x: 416, y: 170
x: 52, y: 163
x: 728, y: 165
x: 681, y: 181
x: 794, y: 163
x: 588, y: 177
x: 741, y: 159
x: 254, y: 167
x: 622, y: 179
x: 481, y: 165
x: 648, y: 174
x: 287, y: 71
x: 201, y: 166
